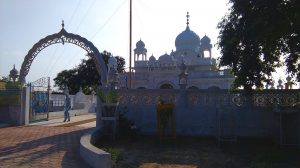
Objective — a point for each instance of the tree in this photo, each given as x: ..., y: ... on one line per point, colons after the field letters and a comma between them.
x: 120, y: 64
x: 255, y: 35
x: 67, y: 78
x: 85, y: 75
x: 4, y: 79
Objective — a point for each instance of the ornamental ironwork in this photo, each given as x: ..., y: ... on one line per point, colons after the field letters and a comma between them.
x: 147, y: 99
x: 39, y: 100
x: 237, y: 99
x: 275, y: 99
x: 64, y: 37
x: 42, y: 82
x: 134, y: 99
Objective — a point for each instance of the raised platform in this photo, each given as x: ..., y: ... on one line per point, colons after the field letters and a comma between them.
x: 92, y: 155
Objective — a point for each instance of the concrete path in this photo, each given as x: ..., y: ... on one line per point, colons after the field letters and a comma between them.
x: 49, y: 144
x: 88, y: 120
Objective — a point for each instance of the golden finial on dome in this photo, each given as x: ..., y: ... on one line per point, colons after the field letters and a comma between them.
x: 187, y: 19
x: 62, y: 24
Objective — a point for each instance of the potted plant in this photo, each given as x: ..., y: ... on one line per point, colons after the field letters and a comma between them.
x: 109, y: 102
x: 109, y: 111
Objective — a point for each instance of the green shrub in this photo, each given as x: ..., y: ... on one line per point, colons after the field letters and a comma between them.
x: 109, y: 97
x: 115, y: 154
x: 10, y: 100
x: 10, y: 93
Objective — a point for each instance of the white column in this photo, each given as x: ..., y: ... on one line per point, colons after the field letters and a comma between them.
x: 24, y: 116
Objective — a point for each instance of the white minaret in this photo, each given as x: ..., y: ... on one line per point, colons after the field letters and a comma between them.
x: 140, y: 50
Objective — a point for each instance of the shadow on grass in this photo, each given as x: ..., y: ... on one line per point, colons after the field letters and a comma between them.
x: 192, y: 152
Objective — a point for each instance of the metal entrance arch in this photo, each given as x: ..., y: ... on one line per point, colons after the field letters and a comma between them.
x: 64, y: 37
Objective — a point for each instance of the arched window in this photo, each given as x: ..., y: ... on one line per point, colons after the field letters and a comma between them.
x: 206, y: 54
x: 166, y: 86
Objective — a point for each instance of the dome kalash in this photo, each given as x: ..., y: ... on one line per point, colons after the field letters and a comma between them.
x: 187, y: 40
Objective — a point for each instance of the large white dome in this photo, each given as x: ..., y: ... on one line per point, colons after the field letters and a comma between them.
x: 187, y: 40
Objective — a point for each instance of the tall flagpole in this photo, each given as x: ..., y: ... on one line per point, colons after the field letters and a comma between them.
x: 130, y: 40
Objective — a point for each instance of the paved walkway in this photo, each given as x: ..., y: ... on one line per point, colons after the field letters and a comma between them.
x: 50, y: 144
x: 88, y: 120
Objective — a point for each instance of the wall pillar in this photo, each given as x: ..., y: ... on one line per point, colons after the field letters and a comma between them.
x: 25, y: 100
x: 181, y: 108
x: 98, y: 114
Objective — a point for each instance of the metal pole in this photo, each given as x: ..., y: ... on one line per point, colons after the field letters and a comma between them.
x: 130, y: 40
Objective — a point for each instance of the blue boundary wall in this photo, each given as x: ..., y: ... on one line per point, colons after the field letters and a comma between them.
x: 197, y: 110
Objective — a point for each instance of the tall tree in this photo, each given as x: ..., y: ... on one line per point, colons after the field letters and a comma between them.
x: 67, y: 78
x: 85, y: 75
x: 4, y: 79
x: 255, y: 35
x: 120, y: 64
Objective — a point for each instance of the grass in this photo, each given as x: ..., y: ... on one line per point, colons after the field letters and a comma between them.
x: 116, y: 154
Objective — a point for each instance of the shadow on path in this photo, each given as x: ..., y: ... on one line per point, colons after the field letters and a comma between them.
x: 39, y: 146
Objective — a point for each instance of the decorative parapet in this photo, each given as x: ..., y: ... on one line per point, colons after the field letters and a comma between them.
x: 205, y: 97
x: 147, y: 97
x: 271, y: 99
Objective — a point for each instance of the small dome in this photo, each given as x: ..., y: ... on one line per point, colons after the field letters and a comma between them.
x: 140, y: 44
x: 152, y: 59
x: 187, y: 40
x: 14, y: 74
x: 14, y: 71
x: 166, y: 59
x: 205, y: 40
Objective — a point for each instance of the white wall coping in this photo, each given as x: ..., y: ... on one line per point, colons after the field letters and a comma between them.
x: 92, y: 155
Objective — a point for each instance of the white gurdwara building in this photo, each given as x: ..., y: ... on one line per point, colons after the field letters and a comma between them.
x: 163, y: 73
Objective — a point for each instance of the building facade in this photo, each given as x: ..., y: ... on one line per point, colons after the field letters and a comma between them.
x: 192, y: 52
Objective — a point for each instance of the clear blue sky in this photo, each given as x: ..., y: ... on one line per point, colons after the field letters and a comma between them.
x: 103, y: 22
